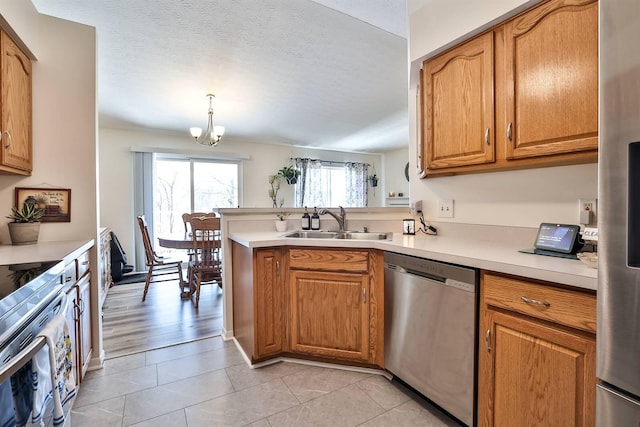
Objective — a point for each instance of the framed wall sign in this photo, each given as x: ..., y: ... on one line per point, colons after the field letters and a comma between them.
x: 56, y: 202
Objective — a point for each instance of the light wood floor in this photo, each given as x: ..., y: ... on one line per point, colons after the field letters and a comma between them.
x: 131, y: 326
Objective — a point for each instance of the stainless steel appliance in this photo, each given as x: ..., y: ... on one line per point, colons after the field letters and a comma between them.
x: 30, y: 296
x: 618, y: 339
x: 430, y: 330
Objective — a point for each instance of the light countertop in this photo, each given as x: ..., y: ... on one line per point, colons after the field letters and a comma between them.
x: 498, y: 256
x: 43, y: 251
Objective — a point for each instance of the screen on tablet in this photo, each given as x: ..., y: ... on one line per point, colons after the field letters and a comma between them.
x: 557, y: 237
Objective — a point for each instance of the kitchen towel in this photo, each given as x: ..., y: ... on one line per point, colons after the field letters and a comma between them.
x: 21, y: 391
x: 53, y: 377
x: 7, y: 414
x: 41, y: 383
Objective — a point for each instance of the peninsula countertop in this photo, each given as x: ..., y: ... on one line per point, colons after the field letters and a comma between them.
x: 482, y: 253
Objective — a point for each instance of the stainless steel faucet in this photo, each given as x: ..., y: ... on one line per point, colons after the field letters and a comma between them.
x: 341, y: 219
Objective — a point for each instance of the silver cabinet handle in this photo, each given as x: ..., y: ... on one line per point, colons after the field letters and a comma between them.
x: 85, y: 262
x: 535, y: 301
x: 10, y: 141
x: 277, y: 268
x: 509, y: 131
x: 364, y: 295
x: 487, y: 340
x: 486, y: 136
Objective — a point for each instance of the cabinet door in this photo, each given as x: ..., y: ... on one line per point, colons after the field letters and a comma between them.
x: 84, y: 323
x: 534, y: 374
x: 105, y: 265
x: 551, y: 73
x: 15, y: 82
x: 330, y: 314
x: 269, y: 297
x: 72, y: 315
x: 458, y: 109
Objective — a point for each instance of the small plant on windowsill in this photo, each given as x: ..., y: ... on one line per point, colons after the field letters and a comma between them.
x: 274, y: 181
x: 290, y: 174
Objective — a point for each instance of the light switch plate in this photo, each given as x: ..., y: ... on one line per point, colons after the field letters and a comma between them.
x: 445, y: 208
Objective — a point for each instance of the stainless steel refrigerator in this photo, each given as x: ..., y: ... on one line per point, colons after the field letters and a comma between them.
x: 618, y: 339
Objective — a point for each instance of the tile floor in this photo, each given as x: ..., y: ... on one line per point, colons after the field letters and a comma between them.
x: 207, y: 383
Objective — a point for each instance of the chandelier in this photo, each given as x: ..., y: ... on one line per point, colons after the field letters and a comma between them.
x: 213, y: 134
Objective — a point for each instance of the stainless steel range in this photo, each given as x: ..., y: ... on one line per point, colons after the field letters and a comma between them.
x: 30, y: 296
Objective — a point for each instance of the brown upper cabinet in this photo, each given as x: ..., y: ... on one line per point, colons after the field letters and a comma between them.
x: 459, y: 110
x: 522, y: 95
x: 15, y: 108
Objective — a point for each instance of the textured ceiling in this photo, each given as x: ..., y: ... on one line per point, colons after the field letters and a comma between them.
x: 328, y: 73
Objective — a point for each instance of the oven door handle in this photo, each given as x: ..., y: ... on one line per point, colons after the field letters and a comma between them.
x: 21, y: 358
x: 26, y: 354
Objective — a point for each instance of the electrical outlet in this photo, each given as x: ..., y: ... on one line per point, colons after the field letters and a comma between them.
x: 415, y: 207
x: 445, y: 208
x: 588, y: 211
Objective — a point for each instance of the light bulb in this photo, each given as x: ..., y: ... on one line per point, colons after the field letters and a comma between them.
x: 196, y: 132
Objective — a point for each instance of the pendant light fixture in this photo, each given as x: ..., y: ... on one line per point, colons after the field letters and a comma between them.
x: 213, y: 133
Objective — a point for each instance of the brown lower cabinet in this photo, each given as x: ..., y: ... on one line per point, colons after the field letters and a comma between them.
x: 317, y: 303
x: 78, y: 314
x: 536, y: 354
x: 269, y: 294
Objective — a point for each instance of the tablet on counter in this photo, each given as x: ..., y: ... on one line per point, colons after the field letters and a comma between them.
x: 559, y: 240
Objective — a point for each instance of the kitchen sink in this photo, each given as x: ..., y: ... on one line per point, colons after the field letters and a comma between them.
x: 365, y: 236
x: 313, y: 234
x: 347, y: 235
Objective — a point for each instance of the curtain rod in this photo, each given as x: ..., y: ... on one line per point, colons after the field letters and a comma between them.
x: 326, y: 161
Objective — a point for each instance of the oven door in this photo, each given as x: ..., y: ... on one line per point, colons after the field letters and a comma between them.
x: 16, y: 388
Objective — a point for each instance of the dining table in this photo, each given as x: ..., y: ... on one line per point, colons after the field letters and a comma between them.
x: 185, y: 243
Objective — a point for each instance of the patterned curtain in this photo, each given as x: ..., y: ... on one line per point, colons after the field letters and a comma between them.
x: 356, y: 175
x: 308, y: 191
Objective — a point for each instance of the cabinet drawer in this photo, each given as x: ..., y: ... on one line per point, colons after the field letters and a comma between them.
x: 570, y: 308
x: 329, y: 260
x: 82, y: 264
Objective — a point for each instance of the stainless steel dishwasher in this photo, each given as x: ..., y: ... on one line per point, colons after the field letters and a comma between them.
x: 430, y: 330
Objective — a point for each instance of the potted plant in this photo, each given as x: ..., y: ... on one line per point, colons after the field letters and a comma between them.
x: 373, y: 180
x: 25, y: 226
x: 281, y: 223
x: 290, y: 174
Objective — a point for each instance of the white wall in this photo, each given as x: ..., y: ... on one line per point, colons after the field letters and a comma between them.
x: 116, y: 172
x: 442, y: 23
x: 64, y: 118
x: 514, y: 198
x: 394, y: 165
x: 64, y: 132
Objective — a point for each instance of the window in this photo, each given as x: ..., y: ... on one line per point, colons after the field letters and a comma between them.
x: 190, y: 185
x: 324, y: 183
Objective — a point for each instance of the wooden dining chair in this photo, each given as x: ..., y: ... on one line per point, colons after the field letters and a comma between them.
x: 206, y: 265
x: 186, y: 219
x: 157, y: 265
